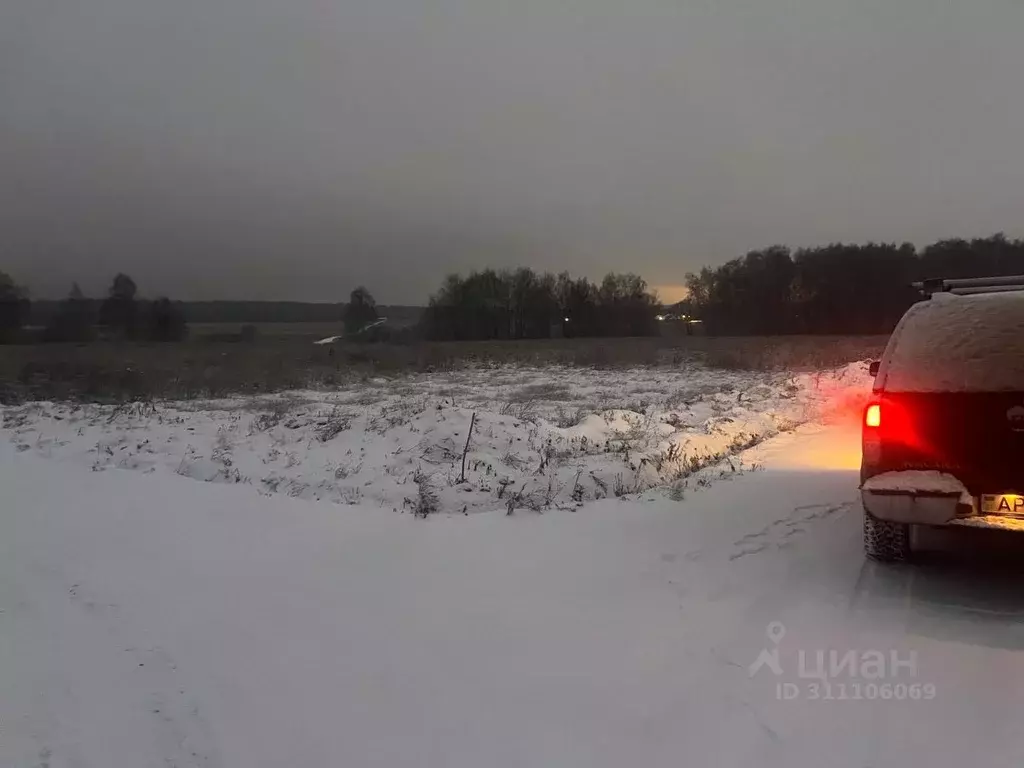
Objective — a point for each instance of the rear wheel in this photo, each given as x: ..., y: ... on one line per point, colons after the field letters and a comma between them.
x: 885, y: 541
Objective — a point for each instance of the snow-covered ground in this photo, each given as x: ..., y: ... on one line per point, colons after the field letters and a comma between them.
x: 541, y: 437
x: 150, y: 620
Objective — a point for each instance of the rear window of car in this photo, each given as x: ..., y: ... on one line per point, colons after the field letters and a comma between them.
x: 958, y: 344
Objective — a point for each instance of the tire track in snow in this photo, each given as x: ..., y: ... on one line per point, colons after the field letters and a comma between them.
x: 781, y: 532
x: 90, y: 634
x: 181, y: 735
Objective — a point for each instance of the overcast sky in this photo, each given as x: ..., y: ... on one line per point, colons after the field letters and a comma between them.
x: 291, y: 149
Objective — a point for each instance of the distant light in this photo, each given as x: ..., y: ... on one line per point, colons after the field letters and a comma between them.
x: 661, y: 317
x: 567, y: 319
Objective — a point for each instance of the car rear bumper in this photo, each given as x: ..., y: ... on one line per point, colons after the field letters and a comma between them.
x: 920, y: 509
x: 929, y: 498
x: 917, y: 497
x: 916, y: 509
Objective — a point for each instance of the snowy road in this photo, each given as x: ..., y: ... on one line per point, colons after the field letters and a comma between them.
x: 149, y: 620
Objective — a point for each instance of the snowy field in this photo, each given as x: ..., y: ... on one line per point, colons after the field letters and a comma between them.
x: 542, y: 438
x: 147, y: 619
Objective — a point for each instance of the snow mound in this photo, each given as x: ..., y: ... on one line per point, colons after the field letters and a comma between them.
x: 541, y: 438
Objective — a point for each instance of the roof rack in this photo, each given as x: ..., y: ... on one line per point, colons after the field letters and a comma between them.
x: 971, y: 285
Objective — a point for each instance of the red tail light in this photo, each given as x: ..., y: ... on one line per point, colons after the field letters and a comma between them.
x: 872, y: 435
x: 873, y: 416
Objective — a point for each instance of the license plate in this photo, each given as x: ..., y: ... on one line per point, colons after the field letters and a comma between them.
x: 1002, y: 504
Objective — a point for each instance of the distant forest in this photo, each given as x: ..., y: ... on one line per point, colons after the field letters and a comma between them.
x: 526, y: 305
x: 835, y: 289
x: 237, y: 312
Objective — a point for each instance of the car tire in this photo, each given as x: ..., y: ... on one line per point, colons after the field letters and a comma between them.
x: 884, y: 541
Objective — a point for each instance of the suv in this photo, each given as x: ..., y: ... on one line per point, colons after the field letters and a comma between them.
x: 943, y: 433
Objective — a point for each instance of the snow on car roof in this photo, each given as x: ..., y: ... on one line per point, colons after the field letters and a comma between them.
x: 958, y: 344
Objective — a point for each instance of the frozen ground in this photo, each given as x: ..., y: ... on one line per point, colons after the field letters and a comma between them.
x: 150, y: 620
x: 542, y: 438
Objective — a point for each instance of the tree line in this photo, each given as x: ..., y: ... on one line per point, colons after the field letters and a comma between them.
x: 77, y: 318
x: 523, y: 304
x: 838, y: 288
x: 239, y: 312
x: 831, y: 289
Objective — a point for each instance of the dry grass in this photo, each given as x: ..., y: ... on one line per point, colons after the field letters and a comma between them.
x: 311, y: 331
x: 116, y: 372
x: 549, y: 392
x: 766, y: 353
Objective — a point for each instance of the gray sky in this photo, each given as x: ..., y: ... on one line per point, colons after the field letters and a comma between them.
x: 293, y: 148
